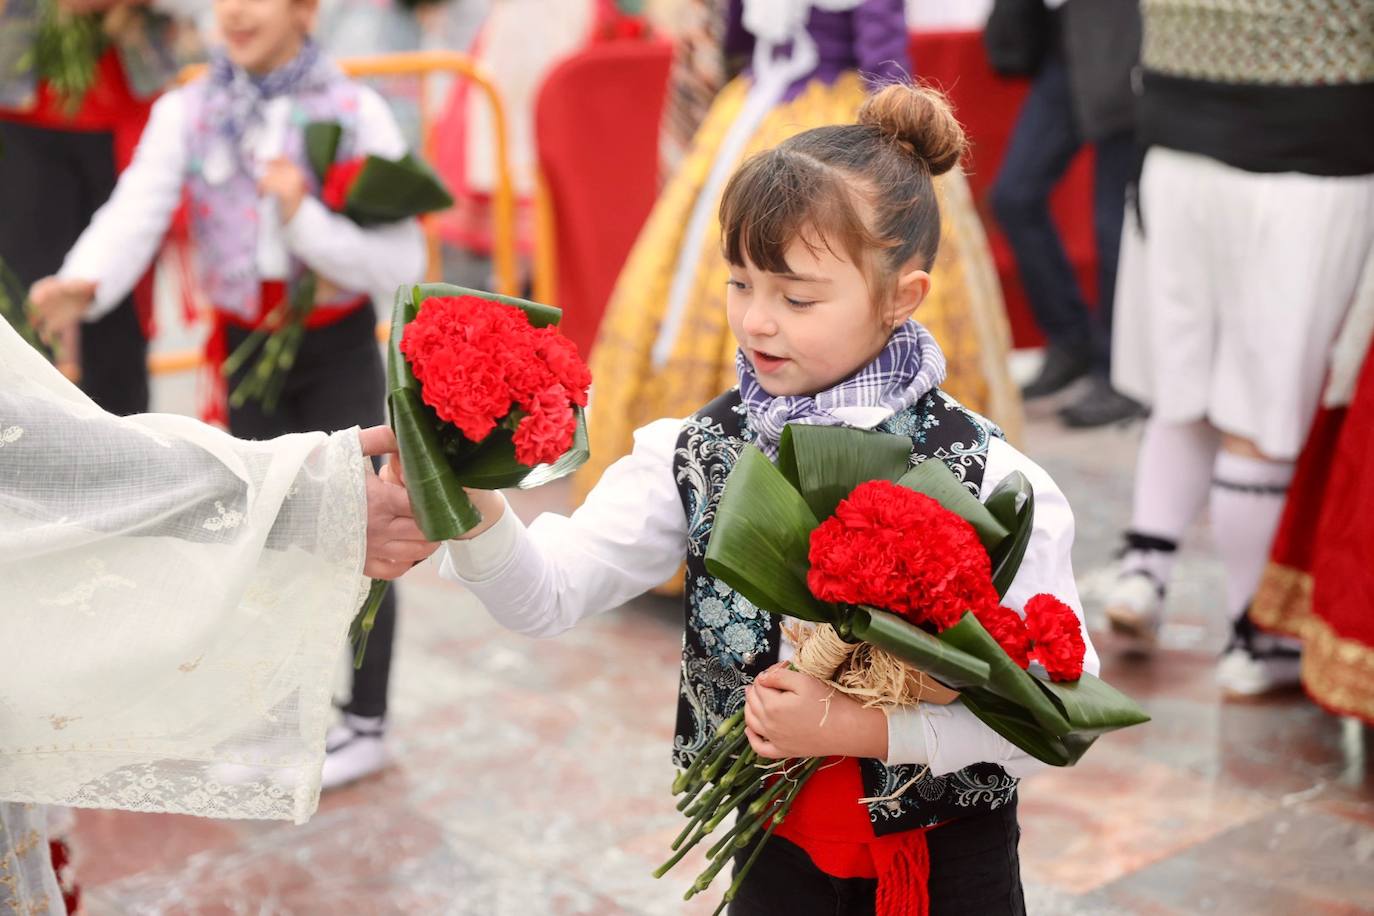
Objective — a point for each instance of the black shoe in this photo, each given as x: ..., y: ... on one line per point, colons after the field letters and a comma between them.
x: 1061, y: 368
x: 1100, y: 405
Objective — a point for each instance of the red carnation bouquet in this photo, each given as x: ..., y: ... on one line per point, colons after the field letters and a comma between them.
x: 900, y: 572
x: 369, y: 190
x: 482, y: 391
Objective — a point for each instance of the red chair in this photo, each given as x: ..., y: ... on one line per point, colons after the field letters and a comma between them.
x: 596, y: 130
x: 987, y: 105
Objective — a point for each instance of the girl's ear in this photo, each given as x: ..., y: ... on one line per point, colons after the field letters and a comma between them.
x: 912, y: 288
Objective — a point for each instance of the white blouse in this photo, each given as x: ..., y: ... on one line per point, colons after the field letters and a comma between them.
x: 631, y: 535
x: 127, y: 231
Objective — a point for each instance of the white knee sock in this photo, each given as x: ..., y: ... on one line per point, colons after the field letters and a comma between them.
x: 1247, y: 500
x: 1172, y: 475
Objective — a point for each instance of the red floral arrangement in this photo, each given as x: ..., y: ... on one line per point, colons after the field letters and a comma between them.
x: 1050, y: 634
x: 338, y: 182
x: 481, y: 364
x: 1056, y: 638
x: 901, y: 551
x: 1007, y: 627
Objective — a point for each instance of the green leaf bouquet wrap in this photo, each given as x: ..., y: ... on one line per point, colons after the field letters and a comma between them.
x: 482, y: 392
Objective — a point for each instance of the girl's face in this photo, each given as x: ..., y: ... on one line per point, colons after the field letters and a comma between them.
x: 262, y: 35
x: 818, y: 324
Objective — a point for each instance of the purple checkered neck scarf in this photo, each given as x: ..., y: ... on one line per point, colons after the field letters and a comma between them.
x: 235, y: 97
x: 908, y: 368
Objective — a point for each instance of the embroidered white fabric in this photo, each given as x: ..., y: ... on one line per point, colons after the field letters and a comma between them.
x: 173, y: 603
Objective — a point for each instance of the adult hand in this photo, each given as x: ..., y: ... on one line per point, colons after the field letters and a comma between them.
x: 790, y: 714
x: 285, y: 181
x: 58, y: 305
x: 394, y: 542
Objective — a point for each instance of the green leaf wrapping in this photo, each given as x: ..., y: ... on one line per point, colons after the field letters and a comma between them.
x: 826, y: 463
x: 761, y: 538
x: 1093, y: 706
x: 322, y: 145
x: 933, y: 478
x: 1007, y: 679
x: 951, y: 666
x: 387, y: 191
x: 442, y: 510
x: 1012, y: 503
x: 1055, y: 722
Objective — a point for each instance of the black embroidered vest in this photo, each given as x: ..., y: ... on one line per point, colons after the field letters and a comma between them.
x: 728, y: 641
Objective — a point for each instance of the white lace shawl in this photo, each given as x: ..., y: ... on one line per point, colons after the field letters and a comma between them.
x: 173, y: 603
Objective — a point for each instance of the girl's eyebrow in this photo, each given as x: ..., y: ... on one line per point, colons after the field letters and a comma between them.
x: 803, y: 278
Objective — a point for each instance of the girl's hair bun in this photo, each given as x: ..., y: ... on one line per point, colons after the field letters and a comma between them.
x: 920, y: 118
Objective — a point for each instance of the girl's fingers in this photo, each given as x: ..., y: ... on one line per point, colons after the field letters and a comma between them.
x: 762, y: 746
x: 753, y: 712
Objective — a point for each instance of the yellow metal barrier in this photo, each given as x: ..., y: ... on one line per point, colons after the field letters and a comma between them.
x: 421, y: 64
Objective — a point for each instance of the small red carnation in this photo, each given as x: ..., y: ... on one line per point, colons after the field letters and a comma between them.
x: 899, y: 550
x: 1056, y: 636
x: 1007, y: 627
x: 547, y: 432
x: 338, y: 182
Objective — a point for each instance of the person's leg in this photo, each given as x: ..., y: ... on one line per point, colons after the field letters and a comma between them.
x: 114, y: 350
x: 41, y: 213
x: 1173, y: 472
x: 783, y: 880
x: 1248, y: 494
x: 1117, y: 163
x: 975, y: 867
x: 342, y: 384
x: 1042, y: 145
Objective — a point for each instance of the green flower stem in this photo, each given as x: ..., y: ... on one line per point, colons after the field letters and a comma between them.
x: 728, y: 841
x: 366, y: 619
x: 684, y: 779
x: 778, y: 816
x: 730, y: 748
x: 748, y: 864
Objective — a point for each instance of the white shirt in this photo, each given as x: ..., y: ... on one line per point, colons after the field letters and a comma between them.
x: 127, y: 231
x: 631, y: 535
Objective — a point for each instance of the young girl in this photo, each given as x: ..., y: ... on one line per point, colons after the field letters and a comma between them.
x: 828, y: 238
x: 233, y: 142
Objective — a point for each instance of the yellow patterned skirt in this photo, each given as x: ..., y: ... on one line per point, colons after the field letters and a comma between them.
x: 964, y: 310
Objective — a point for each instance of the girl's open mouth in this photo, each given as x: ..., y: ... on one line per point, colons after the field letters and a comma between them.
x: 766, y: 362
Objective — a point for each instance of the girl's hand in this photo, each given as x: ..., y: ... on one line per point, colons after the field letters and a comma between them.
x: 58, y: 305
x: 488, y: 502
x: 284, y: 180
x: 785, y: 716
x: 491, y: 504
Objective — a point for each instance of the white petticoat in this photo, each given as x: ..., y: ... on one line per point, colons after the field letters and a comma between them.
x: 1227, y: 307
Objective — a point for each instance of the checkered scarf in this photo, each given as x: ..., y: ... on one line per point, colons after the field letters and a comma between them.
x: 235, y: 98
x: 904, y: 372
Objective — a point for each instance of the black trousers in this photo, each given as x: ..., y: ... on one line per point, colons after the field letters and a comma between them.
x: 1043, y: 145
x: 336, y: 382
x: 51, y: 184
x: 974, y: 871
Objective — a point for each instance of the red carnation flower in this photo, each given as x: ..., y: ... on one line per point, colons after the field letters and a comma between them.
x: 338, y: 182
x: 477, y: 360
x: 1007, y: 627
x: 901, y: 551
x: 547, y: 432
x: 1056, y: 636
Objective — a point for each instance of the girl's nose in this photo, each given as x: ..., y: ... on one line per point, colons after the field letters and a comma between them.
x: 759, y: 321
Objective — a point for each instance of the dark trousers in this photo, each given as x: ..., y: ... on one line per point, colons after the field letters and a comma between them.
x: 1043, y: 143
x: 51, y: 184
x: 974, y: 871
x: 336, y: 382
